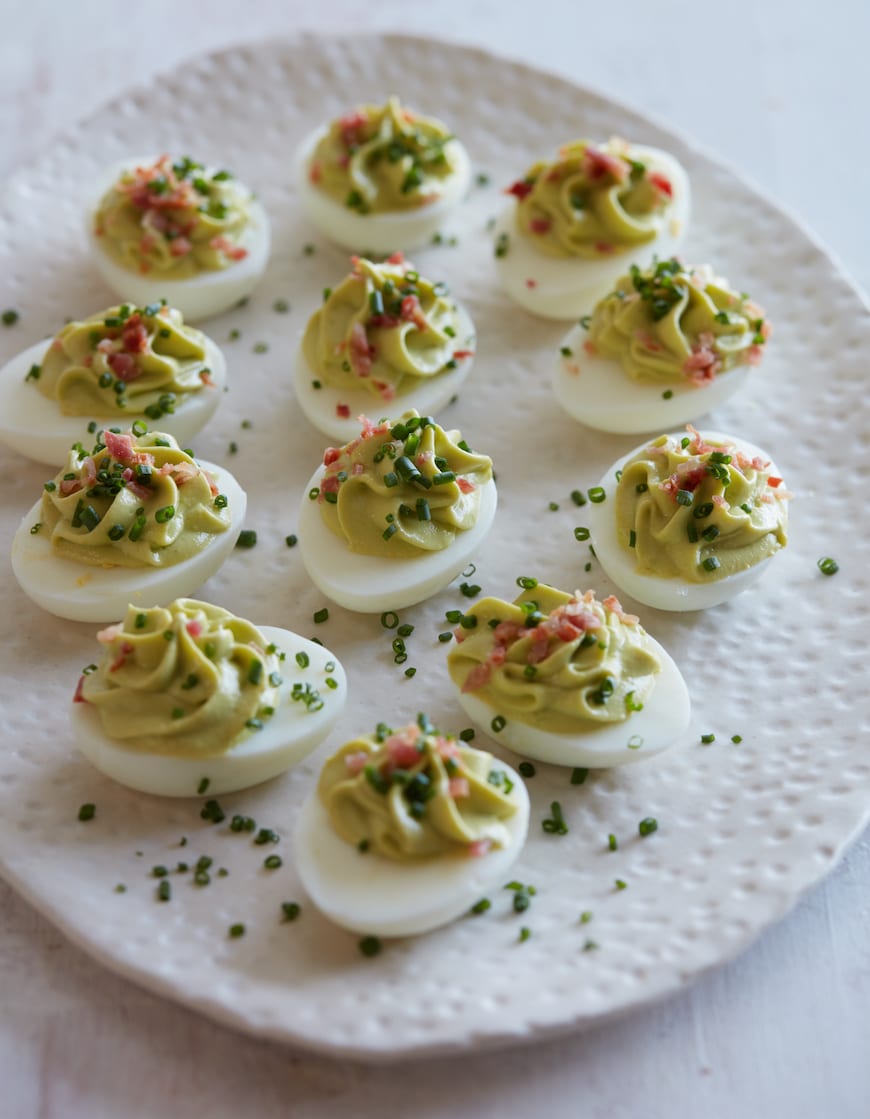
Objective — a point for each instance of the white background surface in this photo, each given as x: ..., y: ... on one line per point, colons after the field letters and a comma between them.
x: 781, y: 92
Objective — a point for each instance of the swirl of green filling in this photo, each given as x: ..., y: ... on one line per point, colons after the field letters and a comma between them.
x: 379, y: 158
x: 416, y: 793
x: 699, y: 510
x: 591, y: 201
x: 174, y: 219
x: 402, y: 489
x: 562, y: 663
x: 137, y: 500
x: 189, y: 679
x: 385, y: 329
x: 672, y: 324
x: 126, y: 359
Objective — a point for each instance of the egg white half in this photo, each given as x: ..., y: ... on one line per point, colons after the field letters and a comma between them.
x: 600, y: 394
x: 368, y: 893
x: 34, y: 425
x: 379, y: 233
x: 286, y: 738
x: 428, y: 398
x: 566, y: 287
x: 101, y: 594
x: 664, y: 593
x: 372, y: 584
x: 664, y: 718
x: 199, y: 297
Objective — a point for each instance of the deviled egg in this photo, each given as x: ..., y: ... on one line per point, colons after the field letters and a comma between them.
x: 179, y: 231
x: 668, y: 344
x: 385, y: 334
x: 381, y: 177
x: 575, y: 224
x: 567, y: 679
x: 120, y: 366
x: 390, y: 518
x: 189, y: 699
x: 407, y: 829
x: 135, y: 521
x: 688, y: 521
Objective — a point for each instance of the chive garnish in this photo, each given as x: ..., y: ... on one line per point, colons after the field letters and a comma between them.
x: 648, y: 825
x: 828, y: 566
x: 247, y: 538
x: 87, y: 812
x: 370, y: 946
x: 480, y: 907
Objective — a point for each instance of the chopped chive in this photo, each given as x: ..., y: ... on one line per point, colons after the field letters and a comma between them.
x: 272, y: 862
x: 579, y: 774
x: 164, y: 891
x: 828, y: 566
x: 480, y: 907
x: 370, y: 946
x: 648, y: 825
x: 597, y: 494
x: 581, y: 533
x: 736, y: 739
x: 290, y: 910
x: 235, y: 931
x: 321, y: 615
x: 526, y: 769
x: 711, y: 563
x: 708, y: 738
x: 612, y: 842
x: 87, y: 812
x: 247, y: 538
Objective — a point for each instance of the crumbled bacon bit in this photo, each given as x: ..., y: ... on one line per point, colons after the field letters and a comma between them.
x: 194, y: 627
x: 447, y: 750
x: 124, y: 367
x: 530, y: 283
x: 342, y: 410
x: 413, y: 312
x: 662, y: 184
x: 465, y: 485
x: 460, y: 355
x: 402, y: 749
x: 479, y: 847
x: 181, y: 246
x: 540, y: 225
x: 477, y: 677
x: 520, y: 189
x: 772, y: 481
x: 459, y: 787
x: 331, y: 455
x: 70, y: 485
x: 119, y: 446
x: 356, y: 763
x: 360, y: 351
x: 78, y: 697
x: 227, y: 247
x: 589, y: 348
x: 134, y: 336
x: 597, y: 164
x: 396, y: 258
x: 121, y: 659
x: 206, y: 378
x: 603, y: 247
x: 107, y: 636
x: 613, y: 604
x: 315, y: 173
x: 702, y: 365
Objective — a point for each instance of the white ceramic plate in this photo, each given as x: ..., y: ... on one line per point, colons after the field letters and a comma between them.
x: 743, y: 828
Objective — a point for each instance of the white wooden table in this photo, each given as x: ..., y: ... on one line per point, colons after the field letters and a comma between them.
x: 783, y: 93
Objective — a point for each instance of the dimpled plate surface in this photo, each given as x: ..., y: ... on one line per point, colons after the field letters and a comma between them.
x: 743, y: 828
